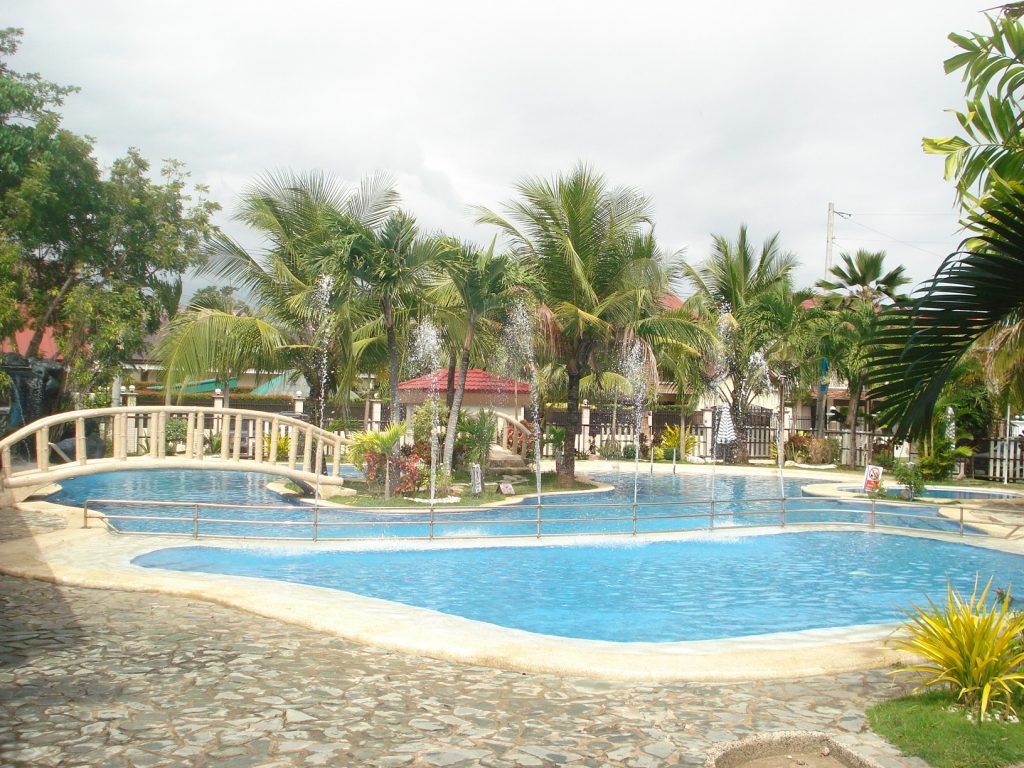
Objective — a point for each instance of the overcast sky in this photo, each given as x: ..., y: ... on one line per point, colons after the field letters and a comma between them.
x: 747, y: 112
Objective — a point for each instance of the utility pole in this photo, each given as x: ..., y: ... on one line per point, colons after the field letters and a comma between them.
x: 819, y: 426
x: 829, y: 237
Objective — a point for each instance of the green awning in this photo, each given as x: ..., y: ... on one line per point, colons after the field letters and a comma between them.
x: 199, y: 387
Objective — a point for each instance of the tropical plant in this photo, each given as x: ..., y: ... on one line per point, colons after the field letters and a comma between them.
x: 601, y: 276
x: 992, y: 149
x: 970, y: 645
x: 474, y: 289
x: 857, y: 289
x: 974, y: 298
x: 480, y: 430
x: 910, y: 476
x: 734, y: 282
x: 202, y: 342
x: 377, y: 449
x: 175, y: 431
x: 862, y: 276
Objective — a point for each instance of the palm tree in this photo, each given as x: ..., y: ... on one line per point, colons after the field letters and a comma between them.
x: 597, y: 265
x: 390, y: 264
x: 309, y: 224
x: 474, y: 289
x: 732, y: 283
x: 202, y: 341
x: 861, y: 276
x: 974, y: 298
x: 858, y: 290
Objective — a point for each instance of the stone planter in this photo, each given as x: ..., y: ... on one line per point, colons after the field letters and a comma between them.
x: 783, y: 749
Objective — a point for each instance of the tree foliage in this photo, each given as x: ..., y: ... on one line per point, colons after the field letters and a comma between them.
x: 98, y: 257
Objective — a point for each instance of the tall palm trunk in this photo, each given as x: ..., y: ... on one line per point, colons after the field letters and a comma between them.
x: 851, y: 422
x: 567, y: 468
x: 575, y: 369
x: 456, y: 402
x: 390, y: 478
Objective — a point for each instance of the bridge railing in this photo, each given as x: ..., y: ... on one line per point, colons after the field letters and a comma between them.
x: 126, y: 431
x: 513, y: 436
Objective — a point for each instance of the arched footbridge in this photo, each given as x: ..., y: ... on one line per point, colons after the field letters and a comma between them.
x: 96, y: 440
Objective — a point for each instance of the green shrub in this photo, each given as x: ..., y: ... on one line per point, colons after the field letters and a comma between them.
x: 796, y: 447
x: 969, y: 645
x: 910, y: 476
x: 823, y: 450
x: 940, y: 463
x: 629, y: 451
x: 658, y: 452
x: 175, y: 432
x: 611, y: 451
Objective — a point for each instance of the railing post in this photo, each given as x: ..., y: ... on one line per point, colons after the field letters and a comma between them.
x: 673, y: 461
x: 43, y: 449
x: 81, y: 452
x: 190, y: 436
x: 871, y: 520
x: 275, y: 427
x: 336, y: 458
x: 85, y: 514
x: 195, y: 521
x: 152, y: 435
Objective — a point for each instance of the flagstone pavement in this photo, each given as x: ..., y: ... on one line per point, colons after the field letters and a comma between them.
x: 108, y: 678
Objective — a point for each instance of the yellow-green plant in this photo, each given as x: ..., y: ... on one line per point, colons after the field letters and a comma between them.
x: 970, y: 645
x: 283, y: 444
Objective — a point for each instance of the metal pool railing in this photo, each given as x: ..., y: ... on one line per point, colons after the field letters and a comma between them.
x: 320, y: 523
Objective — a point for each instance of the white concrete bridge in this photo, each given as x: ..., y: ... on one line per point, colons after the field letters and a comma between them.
x: 136, y: 437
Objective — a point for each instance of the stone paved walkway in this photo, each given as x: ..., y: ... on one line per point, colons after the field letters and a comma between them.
x: 104, y: 678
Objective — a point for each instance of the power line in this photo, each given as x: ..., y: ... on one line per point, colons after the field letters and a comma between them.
x: 849, y: 217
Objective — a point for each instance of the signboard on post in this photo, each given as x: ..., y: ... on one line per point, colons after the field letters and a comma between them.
x: 872, y: 478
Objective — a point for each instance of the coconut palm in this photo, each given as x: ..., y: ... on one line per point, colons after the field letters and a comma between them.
x: 732, y: 283
x: 599, y: 271
x: 473, y: 289
x: 861, y: 276
x: 202, y: 341
x: 390, y: 264
x: 974, y: 298
x: 310, y: 225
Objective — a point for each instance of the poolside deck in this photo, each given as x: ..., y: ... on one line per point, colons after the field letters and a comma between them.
x: 99, y: 677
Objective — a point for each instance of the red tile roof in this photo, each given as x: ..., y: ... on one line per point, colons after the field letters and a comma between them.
x: 671, y: 302
x: 477, y: 380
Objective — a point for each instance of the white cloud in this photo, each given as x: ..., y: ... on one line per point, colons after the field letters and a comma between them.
x: 747, y: 112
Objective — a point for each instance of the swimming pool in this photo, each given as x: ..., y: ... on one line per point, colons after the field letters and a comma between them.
x: 973, y: 494
x: 662, y: 591
x: 739, y: 500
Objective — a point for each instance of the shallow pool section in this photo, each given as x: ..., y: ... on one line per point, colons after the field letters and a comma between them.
x: 640, y: 592
x: 667, y: 503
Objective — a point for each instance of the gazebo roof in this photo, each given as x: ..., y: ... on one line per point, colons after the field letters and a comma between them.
x: 477, y: 381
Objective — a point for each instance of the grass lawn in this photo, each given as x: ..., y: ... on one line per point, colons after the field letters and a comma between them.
x: 923, y: 726
x: 549, y: 483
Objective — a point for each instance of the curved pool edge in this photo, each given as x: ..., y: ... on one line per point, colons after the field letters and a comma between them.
x: 93, y: 558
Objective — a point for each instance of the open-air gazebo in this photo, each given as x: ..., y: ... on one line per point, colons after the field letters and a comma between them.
x: 507, y: 397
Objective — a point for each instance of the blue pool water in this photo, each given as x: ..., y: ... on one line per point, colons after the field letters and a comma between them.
x: 976, y: 494
x: 653, y: 592
x: 739, y: 501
